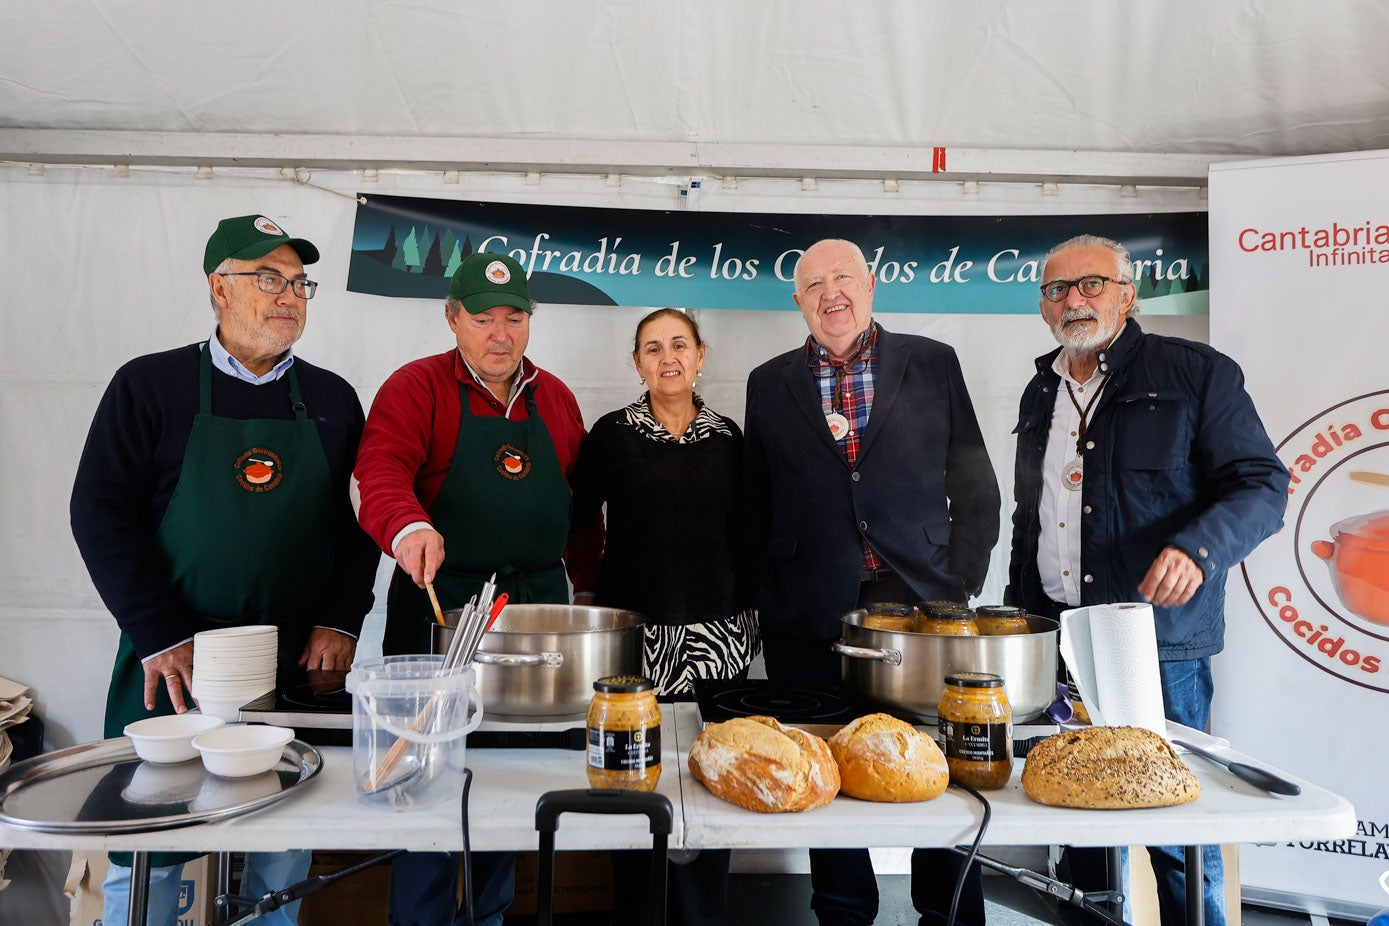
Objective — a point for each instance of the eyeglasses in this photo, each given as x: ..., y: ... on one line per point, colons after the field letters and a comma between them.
x: 274, y: 283
x: 1090, y: 286
x: 852, y: 368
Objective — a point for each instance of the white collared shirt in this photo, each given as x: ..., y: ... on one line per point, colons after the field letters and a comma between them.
x: 232, y: 367
x: 1060, y: 511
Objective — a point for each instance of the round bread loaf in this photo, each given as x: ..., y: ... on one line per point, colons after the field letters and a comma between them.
x: 881, y: 758
x: 758, y: 764
x: 1108, y: 768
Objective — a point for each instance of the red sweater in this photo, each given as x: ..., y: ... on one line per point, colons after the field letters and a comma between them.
x: 407, y: 448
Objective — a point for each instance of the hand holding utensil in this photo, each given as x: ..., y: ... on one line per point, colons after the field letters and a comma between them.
x: 1259, y: 778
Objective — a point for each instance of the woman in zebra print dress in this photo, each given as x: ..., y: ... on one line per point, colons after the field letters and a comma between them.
x: 669, y: 470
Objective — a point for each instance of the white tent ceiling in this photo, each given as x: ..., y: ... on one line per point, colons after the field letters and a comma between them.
x: 1073, y: 87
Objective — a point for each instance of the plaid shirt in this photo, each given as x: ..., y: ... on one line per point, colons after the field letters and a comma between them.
x: 847, y: 388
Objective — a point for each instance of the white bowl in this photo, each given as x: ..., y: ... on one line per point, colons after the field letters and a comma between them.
x: 242, y: 750
x: 249, y: 630
x: 169, y: 738
x: 229, y: 710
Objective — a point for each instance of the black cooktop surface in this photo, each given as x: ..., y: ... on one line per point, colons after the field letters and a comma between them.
x: 723, y: 700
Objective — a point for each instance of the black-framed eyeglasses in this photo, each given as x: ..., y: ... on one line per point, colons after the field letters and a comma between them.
x: 825, y: 371
x: 1089, y: 286
x: 270, y: 282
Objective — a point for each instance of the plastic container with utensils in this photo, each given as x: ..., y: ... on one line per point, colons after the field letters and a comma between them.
x: 410, y: 720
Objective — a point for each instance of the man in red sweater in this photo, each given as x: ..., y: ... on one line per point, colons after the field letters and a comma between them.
x: 472, y: 448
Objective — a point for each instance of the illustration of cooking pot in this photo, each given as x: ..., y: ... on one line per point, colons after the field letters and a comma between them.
x: 1358, y: 556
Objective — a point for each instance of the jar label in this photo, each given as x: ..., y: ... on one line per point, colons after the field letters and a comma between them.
x: 976, y: 742
x: 624, y: 750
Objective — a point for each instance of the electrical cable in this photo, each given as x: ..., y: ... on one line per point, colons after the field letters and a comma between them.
x: 467, y: 847
x: 973, y: 850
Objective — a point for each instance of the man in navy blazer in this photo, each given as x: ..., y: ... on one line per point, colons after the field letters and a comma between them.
x: 867, y: 481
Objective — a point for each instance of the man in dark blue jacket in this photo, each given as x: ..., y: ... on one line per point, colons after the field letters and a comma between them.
x: 1143, y: 471
x: 867, y: 481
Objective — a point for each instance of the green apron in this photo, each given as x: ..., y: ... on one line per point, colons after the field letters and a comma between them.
x: 503, y: 508
x: 247, y: 539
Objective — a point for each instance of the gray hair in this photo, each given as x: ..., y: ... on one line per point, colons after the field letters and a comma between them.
x: 226, y: 266
x: 453, y: 305
x: 858, y: 257
x: 1123, y: 263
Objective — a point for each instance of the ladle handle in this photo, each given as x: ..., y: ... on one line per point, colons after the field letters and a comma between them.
x: 892, y: 657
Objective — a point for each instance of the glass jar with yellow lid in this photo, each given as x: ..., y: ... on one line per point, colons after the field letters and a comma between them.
x: 998, y: 620
x: 976, y: 727
x: 890, y: 615
x: 951, y: 622
x: 624, y: 734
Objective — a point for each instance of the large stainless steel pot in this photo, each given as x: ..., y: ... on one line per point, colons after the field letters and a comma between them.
x: 539, y: 661
x: 907, y: 671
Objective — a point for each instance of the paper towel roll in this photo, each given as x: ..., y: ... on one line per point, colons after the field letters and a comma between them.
x: 1111, y: 651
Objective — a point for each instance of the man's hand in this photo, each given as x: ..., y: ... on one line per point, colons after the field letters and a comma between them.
x: 1172, y: 579
x: 172, y: 669
x: 420, y: 554
x: 328, y: 650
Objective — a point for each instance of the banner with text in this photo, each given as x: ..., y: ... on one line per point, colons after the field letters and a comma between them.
x: 1303, y: 252
x: 410, y: 246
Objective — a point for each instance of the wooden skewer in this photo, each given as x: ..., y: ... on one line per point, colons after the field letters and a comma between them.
x: 397, y: 750
x: 1378, y: 479
x: 434, y: 600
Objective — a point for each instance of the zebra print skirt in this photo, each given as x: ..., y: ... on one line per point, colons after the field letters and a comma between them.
x: 674, y: 656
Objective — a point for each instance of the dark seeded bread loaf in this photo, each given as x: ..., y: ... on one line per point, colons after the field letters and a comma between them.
x: 1107, y: 768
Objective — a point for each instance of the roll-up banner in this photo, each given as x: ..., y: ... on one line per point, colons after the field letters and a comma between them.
x: 1301, y: 250
x: 410, y: 246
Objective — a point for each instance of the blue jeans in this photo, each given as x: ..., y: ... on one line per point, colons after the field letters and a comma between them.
x: 424, y: 889
x: 169, y: 897
x: 1186, y: 696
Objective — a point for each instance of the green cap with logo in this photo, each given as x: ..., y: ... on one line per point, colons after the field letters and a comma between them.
x: 485, y: 280
x: 247, y: 237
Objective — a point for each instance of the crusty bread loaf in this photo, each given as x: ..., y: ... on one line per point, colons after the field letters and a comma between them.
x: 759, y: 764
x: 881, y: 758
x: 1108, y: 768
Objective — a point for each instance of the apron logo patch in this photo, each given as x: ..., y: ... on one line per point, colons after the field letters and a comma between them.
x: 512, y: 462
x: 259, y: 470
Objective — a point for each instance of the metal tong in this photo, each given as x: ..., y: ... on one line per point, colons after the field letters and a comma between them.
x: 472, y: 622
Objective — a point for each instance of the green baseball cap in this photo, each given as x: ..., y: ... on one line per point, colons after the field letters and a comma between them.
x: 247, y: 237
x: 485, y: 280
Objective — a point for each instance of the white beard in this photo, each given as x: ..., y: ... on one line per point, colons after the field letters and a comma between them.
x: 1079, y: 340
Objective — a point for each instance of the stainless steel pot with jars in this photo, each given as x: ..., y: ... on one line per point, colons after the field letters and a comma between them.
x: 906, y: 670
x: 539, y: 661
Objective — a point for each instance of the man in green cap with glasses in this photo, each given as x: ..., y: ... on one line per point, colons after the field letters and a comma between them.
x: 472, y: 447
x: 213, y: 491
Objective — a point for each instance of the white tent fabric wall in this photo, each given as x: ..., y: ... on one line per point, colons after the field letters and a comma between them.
x: 1254, y: 78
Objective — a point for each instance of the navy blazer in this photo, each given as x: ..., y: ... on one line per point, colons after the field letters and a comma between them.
x: 923, y: 493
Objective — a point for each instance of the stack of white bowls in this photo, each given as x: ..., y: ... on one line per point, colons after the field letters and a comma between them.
x: 232, y: 666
